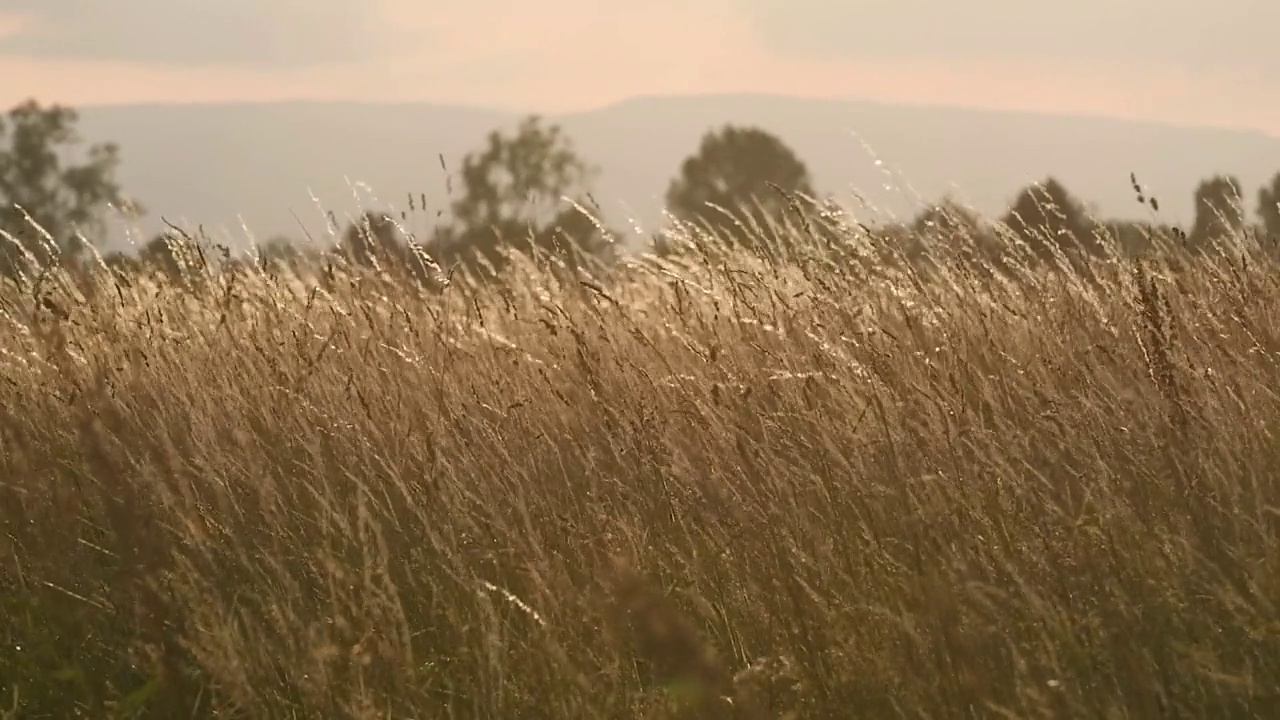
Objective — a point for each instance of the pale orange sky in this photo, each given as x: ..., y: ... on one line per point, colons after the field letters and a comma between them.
x: 1163, y: 61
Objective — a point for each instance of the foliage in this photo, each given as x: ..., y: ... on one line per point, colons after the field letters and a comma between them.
x: 1050, y: 220
x: 1220, y: 210
x: 1269, y: 208
x: 948, y: 227
x: 727, y: 487
x: 162, y: 252
x: 513, y: 199
x: 371, y: 241
x: 731, y: 483
x: 280, y: 253
x: 732, y: 183
x: 1136, y: 238
x: 40, y: 188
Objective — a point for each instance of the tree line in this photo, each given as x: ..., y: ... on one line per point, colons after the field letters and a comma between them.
x: 530, y: 189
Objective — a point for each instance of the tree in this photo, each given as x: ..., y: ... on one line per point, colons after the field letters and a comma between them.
x: 1135, y: 238
x: 372, y: 240
x: 947, y: 218
x: 190, y: 260
x: 948, y: 226
x: 1269, y: 208
x: 164, y: 252
x: 39, y: 181
x: 182, y: 256
x: 122, y: 262
x: 278, y: 252
x: 1219, y: 210
x: 1045, y: 215
x: 733, y: 169
x: 512, y: 198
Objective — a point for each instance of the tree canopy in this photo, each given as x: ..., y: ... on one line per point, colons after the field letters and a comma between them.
x: 1046, y: 216
x: 1219, y: 210
x: 1269, y: 207
x: 44, y: 193
x: 736, y: 168
x: 513, y: 197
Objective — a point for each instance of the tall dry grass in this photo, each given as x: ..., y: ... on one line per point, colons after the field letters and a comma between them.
x: 719, y: 486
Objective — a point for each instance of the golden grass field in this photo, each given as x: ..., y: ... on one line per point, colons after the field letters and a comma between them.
x: 718, y: 487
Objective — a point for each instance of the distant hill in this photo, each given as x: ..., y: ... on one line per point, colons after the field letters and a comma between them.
x: 211, y: 164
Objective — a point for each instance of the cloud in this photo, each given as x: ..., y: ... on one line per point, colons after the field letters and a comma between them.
x: 11, y: 25
x: 1222, y: 35
x: 564, y: 55
x: 275, y: 33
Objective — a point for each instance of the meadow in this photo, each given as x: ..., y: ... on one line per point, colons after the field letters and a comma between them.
x: 819, y: 483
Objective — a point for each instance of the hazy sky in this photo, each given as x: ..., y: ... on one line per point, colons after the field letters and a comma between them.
x: 1206, y: 62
